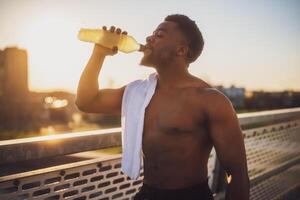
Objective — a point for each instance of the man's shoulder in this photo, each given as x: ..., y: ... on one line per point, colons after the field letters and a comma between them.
x: 210, y: 92
x: 208, y: 97
x: 201, y: 88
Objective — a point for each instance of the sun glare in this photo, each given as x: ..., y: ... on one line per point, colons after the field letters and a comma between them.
x: 50, y: 42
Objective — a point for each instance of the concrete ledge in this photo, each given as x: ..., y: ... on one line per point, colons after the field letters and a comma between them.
x: 255, y: 119
x: 55, y: 145
x: 55, y: 167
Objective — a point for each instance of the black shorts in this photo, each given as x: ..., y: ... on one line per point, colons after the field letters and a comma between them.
x: 199, y: 191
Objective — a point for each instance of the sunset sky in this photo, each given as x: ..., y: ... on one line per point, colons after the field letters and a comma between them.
x: 252, y: 44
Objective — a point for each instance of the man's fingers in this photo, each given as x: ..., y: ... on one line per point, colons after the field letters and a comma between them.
x: 118, y: 31
x: 112, y: 29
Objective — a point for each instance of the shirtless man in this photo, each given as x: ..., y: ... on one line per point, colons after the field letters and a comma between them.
x: 185, y: 118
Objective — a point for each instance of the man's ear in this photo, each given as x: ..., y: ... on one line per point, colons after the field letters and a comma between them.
x: 182, y: 50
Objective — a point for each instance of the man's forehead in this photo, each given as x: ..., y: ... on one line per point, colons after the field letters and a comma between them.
x: 167, y: 26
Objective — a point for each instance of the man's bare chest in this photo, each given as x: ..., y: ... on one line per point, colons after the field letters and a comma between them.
x: 171, y: 114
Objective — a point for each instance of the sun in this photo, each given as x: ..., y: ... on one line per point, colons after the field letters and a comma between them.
x: 51, y: 42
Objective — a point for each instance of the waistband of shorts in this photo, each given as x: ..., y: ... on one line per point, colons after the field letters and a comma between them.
x: 197, y: 186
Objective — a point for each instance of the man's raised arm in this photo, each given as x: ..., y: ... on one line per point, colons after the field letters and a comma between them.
x: 228, y: 141
x: 89, y: 98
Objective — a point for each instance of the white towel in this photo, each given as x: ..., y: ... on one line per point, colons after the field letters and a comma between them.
x: 136, y: 97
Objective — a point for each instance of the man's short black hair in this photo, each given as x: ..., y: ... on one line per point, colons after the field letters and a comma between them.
x: 192, y: 33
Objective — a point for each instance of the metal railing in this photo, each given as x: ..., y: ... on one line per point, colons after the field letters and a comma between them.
x: 272, y: 141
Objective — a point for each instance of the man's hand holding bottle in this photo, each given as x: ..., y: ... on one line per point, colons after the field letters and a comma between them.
x: 99, y: 49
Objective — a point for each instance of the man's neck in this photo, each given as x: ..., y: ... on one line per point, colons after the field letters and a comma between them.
x: 172, y: 77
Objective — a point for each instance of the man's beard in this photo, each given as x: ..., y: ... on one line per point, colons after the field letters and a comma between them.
x: 153, y: 59
x: 148, y: 59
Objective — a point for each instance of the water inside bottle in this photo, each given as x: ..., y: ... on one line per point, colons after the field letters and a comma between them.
x: 125, y: 43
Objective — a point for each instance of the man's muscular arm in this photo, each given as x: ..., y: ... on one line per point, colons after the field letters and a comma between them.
x: 89, y: 97
x: 227, y: 138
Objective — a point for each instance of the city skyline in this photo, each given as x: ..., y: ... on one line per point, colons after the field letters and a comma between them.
x: 255, y: 42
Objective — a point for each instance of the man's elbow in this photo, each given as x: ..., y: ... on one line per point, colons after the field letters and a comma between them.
x: 81, y: 105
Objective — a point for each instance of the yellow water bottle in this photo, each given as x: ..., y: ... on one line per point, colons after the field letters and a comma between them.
x: 125, y: 43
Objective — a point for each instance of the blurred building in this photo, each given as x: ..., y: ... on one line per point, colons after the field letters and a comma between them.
x: 15, y: 72
x: 273, y: 100
x: 13, y: 88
